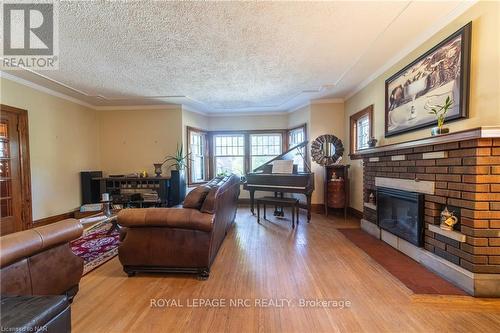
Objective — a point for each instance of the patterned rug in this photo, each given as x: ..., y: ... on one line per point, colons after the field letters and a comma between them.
x: 95, y: 246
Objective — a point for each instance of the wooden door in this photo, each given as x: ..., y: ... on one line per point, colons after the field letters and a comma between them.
x: 15, y: 188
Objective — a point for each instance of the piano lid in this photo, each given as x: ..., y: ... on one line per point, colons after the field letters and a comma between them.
x: 287, y: 155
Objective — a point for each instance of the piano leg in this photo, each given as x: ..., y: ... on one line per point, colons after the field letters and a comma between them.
x: 308, y: 196
x: 278, y: 210
x: 252, y: 197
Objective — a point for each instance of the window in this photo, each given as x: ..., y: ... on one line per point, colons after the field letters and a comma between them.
x: 296, y: 136
x: 362, y: 132
x: 197, y: 165
x: 229, y: 153
x: 361, y: 129
x: 264, y: 147
x: 240, y: 152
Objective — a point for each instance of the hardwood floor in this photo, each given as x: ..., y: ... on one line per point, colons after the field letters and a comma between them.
x: 271, y: 261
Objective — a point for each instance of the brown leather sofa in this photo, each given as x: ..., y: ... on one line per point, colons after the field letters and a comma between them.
x: 39, y: 261
x: 180, y: 240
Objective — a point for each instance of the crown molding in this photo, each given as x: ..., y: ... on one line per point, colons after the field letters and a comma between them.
x: 139, y: 107
x: 193, y: 110
x: 234, y: 114
x: 300, y: 106
x: 317, y: 101
x: 438, y: 26
x: 247, y: 114
x: 327, y: 101
x: 43, y: 89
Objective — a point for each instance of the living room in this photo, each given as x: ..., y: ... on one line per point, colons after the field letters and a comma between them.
x: 251, y: 166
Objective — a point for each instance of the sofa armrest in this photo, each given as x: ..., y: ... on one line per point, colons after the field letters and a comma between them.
x: 183, y: 218
x: 19, y: 245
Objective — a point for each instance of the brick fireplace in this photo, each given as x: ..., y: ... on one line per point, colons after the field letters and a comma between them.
x: 461, y: 171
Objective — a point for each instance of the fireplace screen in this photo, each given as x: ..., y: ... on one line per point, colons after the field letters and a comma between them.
x: 401, y: 213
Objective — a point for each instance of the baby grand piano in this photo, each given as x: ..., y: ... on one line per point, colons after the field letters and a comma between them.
x: 262, y: 179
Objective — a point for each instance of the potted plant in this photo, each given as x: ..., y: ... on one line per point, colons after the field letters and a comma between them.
x: 440, y: 112
x: 179, y: 159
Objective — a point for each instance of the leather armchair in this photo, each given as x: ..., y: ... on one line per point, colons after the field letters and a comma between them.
x: 39, y: 261
x: 177, y: 240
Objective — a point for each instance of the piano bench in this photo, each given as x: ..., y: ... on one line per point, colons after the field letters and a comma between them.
x: 281, y: 202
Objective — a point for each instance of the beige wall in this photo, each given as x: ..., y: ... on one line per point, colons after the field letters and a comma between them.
x: 326, y: 118
x: 132, y: 140
x: 64, y: 140
x: 299, y: 117
x: 192, y: 119
x: 223, y: 123
x: 484, y: 107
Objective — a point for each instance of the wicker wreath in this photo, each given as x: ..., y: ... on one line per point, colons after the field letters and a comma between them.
x: 317, y: 152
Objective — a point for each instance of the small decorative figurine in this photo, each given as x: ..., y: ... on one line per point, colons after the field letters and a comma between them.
x: 372, y: 142
x: 334, y: 176
x: 447, y: 220
x: 371, y: 198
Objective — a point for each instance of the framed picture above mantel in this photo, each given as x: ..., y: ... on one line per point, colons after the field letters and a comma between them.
x: 441, y: 72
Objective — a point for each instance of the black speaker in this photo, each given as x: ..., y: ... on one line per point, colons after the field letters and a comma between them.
x: 177, y: 190
x: 91, y: 192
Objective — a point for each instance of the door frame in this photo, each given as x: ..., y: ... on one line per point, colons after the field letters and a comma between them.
x: 24, y: 162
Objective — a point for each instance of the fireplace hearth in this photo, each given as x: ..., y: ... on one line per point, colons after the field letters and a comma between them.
x: 401, y: 213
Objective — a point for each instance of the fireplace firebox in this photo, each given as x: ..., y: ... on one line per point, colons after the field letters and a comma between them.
x: 401, y: 213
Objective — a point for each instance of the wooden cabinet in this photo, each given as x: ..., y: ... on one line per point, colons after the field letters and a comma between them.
x: 129, y: 191
x: 336, y: 188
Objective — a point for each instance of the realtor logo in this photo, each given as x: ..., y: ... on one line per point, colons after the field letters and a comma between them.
x: 29, y: 35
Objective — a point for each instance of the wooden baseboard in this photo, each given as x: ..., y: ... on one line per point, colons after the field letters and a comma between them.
x: 355, y: 213
x: 52, y: 219
x: 318, y: 208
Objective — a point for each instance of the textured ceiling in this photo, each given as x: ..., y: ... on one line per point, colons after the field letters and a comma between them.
x: 228, y: 56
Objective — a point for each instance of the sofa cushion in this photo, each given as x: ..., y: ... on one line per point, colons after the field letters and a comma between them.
x: 183, y: 218
x: 209, y: 203
x: 196, y: 197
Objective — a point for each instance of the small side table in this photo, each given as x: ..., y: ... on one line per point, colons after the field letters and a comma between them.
x: 113, y: 219
x: 282, y: 202
x: 100, y: 219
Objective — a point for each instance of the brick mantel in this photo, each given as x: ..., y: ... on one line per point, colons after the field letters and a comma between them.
x: 474, y: 133
x: 465, y: 170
